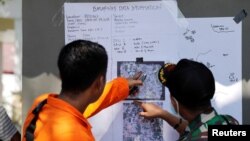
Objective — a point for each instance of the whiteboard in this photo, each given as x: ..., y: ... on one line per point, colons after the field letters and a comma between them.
x: 153, y: 30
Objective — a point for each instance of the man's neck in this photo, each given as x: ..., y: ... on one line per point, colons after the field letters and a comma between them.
x: 191, y: 115
x: 79, y: 102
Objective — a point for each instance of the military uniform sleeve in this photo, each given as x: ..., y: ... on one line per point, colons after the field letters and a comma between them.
x: 114, y: 91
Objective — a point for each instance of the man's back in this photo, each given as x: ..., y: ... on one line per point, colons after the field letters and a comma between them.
x: 59, y: 121
x: 198, y: 128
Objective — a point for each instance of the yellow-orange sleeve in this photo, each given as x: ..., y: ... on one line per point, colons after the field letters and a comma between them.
x: 114, y: 91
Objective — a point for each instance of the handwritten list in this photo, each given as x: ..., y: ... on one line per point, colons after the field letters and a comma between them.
x: 123, y: 28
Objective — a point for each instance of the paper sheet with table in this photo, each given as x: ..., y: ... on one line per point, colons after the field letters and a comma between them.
x: 155, y: 31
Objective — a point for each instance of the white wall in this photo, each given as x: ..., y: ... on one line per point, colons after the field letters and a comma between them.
x: 11, y: 9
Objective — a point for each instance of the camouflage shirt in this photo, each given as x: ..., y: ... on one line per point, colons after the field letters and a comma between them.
x: 197, y: 130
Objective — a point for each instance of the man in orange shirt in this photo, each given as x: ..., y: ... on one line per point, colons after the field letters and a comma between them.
x: 82, y: 65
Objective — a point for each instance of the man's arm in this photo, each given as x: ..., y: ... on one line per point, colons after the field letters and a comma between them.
x: 114, y: 91
x: 153, y: 111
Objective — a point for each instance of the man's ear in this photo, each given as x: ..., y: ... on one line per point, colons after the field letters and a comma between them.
x: 100, y: 82
x: 97, y: 88
x: 103, y: 80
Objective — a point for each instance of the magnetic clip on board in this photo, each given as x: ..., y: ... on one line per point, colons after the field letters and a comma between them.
x: 240, y: 16
x: 139, y: 60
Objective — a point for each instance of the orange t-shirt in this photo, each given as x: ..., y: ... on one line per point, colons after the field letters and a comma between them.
x: 60, y: 121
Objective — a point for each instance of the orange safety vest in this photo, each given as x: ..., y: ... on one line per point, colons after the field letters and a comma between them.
x: 59, y: 121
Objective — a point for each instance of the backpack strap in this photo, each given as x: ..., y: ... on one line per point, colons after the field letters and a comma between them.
x: 230, y: 120
x: 227, y: 121
x: 32, y: 126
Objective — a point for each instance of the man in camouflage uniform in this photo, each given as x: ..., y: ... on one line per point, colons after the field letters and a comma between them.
x: 197, y: 130
x: 192, y: 86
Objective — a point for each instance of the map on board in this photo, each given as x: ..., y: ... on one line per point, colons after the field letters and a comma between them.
x: 151, y: 88
x: 138, y: 128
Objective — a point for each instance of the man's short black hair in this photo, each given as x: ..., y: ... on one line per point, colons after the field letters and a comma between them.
x: 79, y: 63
